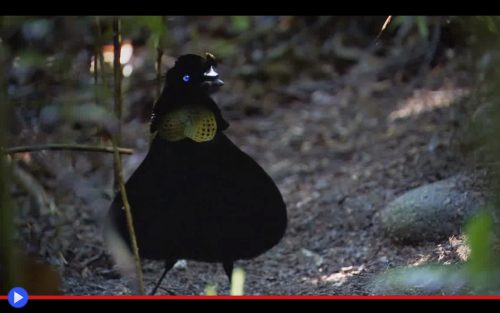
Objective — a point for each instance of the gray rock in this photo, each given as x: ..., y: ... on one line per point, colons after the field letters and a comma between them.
x: 429, y: 213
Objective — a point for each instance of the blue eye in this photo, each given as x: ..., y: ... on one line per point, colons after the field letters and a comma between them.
x: 186, y: 78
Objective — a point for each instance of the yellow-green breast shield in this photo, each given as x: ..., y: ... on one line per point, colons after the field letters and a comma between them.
x: 198, y: 124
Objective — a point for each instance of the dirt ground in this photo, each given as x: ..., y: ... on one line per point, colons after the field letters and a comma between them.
x: 339, y: 154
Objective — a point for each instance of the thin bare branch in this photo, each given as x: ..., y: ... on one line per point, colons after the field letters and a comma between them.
x: 62, y: 146
x: 128, y: 214
x: 386, y: 23
x: 100, y: 56
x: 159, y: 55
x: 119, y: 180
x: 117, y: 70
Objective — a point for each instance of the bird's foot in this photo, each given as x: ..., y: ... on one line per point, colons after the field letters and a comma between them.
x: 167, y: 291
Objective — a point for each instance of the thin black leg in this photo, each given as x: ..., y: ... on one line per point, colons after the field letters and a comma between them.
x: 228, y: 268
x: 168, y: 267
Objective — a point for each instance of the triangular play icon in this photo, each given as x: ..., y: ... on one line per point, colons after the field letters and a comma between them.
x: 17, y: 297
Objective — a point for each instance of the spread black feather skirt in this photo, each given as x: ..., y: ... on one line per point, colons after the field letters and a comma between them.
x: 201, y: 201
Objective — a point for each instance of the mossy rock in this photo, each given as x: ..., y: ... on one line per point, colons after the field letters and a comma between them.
x: 429, y: 213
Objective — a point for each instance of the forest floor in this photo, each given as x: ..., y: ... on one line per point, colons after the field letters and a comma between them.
x: 339, y: 152
x: 338, y: 156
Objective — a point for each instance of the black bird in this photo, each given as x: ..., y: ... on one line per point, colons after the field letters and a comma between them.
x: 196, y: 195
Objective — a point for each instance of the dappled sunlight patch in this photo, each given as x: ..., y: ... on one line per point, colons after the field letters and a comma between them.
x: 461, y: 247
x: 339, y: 278
x: 421, y: 260
x: 423, y: 100
x: 453, y: 251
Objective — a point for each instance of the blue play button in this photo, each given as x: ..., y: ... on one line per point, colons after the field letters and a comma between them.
x: 18, y: 297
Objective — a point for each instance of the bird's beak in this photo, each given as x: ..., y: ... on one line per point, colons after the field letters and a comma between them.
x: 218, y: 82
x: 213, y: 84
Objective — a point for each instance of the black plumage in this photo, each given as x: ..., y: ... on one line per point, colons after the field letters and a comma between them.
x: 196, y: 195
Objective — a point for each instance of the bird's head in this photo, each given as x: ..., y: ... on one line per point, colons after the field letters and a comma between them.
x: 193, y: 72
x: 185, y: 108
